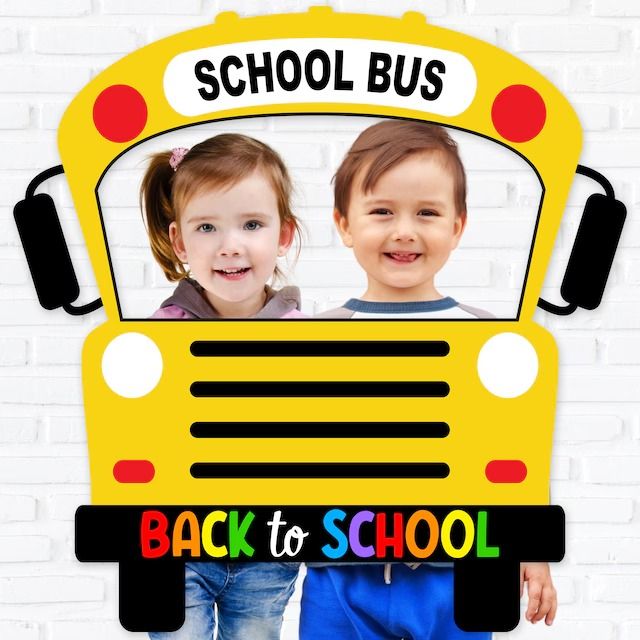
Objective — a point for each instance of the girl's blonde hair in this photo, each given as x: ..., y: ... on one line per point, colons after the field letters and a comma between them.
x: 215, y: 163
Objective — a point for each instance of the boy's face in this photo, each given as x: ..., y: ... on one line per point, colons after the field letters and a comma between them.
x: 404, y: 229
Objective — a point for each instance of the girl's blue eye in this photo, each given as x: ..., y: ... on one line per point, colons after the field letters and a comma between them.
x: 252, y: 225
x: 206, y: 227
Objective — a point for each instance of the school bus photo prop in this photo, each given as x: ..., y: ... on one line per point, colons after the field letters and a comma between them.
x: 415, y: 439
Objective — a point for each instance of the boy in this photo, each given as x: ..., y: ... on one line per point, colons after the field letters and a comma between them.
x: 400, y: 204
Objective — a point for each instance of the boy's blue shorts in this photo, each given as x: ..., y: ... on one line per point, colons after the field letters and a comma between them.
x: 353, y: 602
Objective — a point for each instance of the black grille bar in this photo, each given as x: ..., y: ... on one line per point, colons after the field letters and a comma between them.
x: 297, y: 389
x: 319, y: 429
x: 319, y: 348
x: 254, y: 470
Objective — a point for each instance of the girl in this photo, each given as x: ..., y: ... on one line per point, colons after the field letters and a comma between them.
x: 223, y: 208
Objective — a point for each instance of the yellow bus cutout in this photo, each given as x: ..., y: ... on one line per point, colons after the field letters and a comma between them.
x: 304, y: 421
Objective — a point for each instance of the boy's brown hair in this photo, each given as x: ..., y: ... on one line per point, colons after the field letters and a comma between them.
x: 215, y: 163
x: 385, y: 144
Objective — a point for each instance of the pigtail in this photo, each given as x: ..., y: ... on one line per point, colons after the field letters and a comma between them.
x: 158, y: 213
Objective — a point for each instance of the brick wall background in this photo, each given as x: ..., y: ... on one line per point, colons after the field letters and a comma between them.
x: 48, y: 50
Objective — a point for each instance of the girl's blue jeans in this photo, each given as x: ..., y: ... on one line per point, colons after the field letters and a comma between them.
x: 250, y: 598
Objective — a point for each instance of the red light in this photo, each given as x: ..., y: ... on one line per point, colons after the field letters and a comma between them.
x: 120, y: 113
x: 518, y: 113
x: 502, y: 471
x: 133, y: 471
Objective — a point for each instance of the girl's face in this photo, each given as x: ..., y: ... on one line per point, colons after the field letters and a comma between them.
x: 231, y: 238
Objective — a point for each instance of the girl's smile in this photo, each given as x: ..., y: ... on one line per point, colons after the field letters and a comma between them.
x: 233, y: 274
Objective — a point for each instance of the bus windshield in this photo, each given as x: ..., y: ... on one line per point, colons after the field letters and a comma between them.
x: 488, y: 270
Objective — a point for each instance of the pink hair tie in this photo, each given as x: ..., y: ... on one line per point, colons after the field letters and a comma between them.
x: 177, y: 156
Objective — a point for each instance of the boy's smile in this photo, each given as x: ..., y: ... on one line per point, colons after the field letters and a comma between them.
x: 399, y: 256
x: 403, y: 230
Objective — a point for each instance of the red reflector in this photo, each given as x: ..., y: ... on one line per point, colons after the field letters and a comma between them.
x: 133, y: 471
x: 518, y: 113
x: 506, y: 471
x: 120, y: 113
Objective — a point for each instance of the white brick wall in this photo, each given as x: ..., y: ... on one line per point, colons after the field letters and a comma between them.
x: 49, y: 50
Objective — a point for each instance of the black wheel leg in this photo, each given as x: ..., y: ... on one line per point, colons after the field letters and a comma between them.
x: 486, y: 595
x: 151, y: 595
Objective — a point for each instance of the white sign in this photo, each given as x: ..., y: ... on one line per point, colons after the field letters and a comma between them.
x: 320, y: 70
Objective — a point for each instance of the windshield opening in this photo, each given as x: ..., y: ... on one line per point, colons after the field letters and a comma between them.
x: 486, y: 270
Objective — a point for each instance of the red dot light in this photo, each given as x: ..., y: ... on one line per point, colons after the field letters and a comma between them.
x: 134, y: 471
x: 518, y: 113
x: 120, y: 113
x: 507, y: 471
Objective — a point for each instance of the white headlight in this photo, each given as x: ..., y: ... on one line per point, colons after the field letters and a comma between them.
x: 508, y: 365
x: 132, y: 365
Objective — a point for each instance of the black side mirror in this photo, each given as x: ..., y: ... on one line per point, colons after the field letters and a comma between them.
x: 593, y: 249
x: 46, y: 249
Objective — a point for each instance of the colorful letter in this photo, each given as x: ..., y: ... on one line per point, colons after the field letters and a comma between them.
x: 213, y: 550
x: 354, y: 534
x: 482, y: 550
x: 395, y: 540
x: 153, y: 528
x: 410, y: 534
x: 469, y: 532
x: 331, y: 528
x: 237, y: 534
x: 189, y: 541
